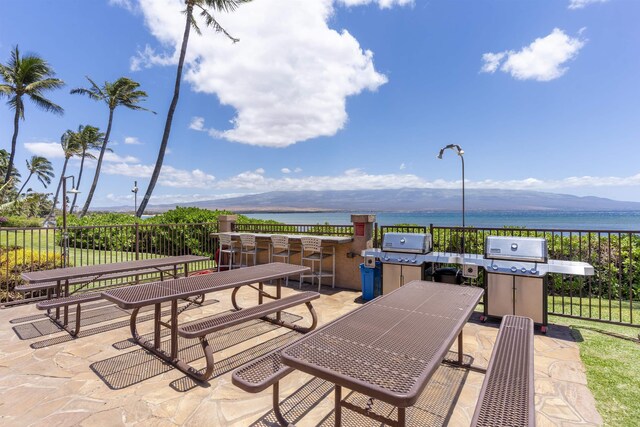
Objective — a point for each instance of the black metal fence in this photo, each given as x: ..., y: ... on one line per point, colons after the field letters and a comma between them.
x: 611, y: 295
x: 31, y: 249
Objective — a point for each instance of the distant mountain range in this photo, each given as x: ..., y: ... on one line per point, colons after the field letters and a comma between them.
x: 404, y: 200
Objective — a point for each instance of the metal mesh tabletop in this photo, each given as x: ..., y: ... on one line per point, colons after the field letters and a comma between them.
x: 389, y: 348
x: 157, y: 292
x: 102, y: 269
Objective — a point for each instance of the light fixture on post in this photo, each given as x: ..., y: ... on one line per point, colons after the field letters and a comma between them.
x: 134, y: 190
x: 65, y: 235
x: 460, y: 152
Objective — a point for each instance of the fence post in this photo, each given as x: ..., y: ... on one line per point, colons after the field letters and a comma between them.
x: 227, y: 223
x: 137, y: 242
x: 362, y: 232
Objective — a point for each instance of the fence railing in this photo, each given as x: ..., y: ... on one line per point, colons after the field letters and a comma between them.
x: 611, y: 295
x: 317, y: 229
x: 31, y: 249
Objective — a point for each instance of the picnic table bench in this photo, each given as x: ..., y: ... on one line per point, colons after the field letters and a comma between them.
x: 61, y: 279
x: 507, y: 394
x: 138, y: 296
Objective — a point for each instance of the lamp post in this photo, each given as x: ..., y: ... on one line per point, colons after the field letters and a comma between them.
x: 65, y: 235
x: 134, y: 190
x: 460, y: 152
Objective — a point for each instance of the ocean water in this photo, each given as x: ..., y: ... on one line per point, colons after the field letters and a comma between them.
x: 626, y: 220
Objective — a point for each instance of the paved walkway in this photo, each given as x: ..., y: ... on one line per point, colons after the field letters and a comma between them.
x: 101, y: 378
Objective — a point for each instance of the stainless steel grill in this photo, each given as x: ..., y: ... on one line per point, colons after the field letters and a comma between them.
x: 403, y: 256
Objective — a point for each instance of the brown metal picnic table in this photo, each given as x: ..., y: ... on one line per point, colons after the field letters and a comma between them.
x: 389, y: 348
x: 138, y: 296
x: 97, y: 271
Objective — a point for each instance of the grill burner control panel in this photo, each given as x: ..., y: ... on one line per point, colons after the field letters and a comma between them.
x: 516, y: 269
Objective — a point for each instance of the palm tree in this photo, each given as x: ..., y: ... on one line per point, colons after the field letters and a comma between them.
x: 88, y: 137
x: 28, y: 75
x: 123, y: 92
x: 210, y: 21
x: 7, y: 186
x: 41, y: 168
x: 71, y: 146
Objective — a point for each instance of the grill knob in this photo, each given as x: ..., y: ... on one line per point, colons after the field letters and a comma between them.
x: 386, y: 258
x: 413, y: 261
x: 514, y: 269
x: 495, y: 267
x: 524, y: 270
x: 533, y: 271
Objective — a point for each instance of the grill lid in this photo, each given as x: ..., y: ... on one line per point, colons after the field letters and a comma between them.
x: 416, y: 243
x: 515, y: 248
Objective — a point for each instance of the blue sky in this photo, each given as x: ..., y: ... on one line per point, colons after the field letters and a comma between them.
x: 344, y: 94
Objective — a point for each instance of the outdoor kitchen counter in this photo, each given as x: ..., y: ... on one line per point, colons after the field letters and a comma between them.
x: 552, y: 266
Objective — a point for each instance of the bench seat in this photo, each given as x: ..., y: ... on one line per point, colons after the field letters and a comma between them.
x: 507, y: 394
x: 82, y: 280
x: 217, y: 322
x: 65, y: 302
x: 261, y: 373
x: 201, y: 328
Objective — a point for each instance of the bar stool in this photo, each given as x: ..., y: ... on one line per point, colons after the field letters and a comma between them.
x: 248, y: 246
x: 281, y: 249
x: 312, y: 252
x: 229, y: 247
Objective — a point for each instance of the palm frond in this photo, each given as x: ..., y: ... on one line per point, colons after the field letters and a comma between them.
x: 46, y: 104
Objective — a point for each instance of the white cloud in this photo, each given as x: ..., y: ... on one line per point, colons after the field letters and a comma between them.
x: 285, y: 170
x: 288, y: 78
x: 491, y: 61
x: 383, y: 4
x: 171, y: 198
x: 132, y: 140
x: 169, y: 176
x: 542, y: 60
x: 197, y: 123
x: 125, y: 4
x: 297, y: 170
x: 579, y: 4
x: 50, y: 150
x: 402, y: 166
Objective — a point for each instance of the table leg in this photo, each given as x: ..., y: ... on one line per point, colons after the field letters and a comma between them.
x: 261, y: 287
x: 186, y: 269
x: 157, y: 319
x: 460, y: 348
x: 402, y: 417
x: 278, y: 296
x: 58, y: 295
x: 66, y: 307
x: 338, y: 406
x: 174, y: 329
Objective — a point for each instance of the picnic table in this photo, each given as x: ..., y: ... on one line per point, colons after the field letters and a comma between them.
x: 62, y: 278
x: 138, y: 296
x: 389, y: 348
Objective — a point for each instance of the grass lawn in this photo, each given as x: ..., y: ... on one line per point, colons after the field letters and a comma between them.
x: 611, y: 355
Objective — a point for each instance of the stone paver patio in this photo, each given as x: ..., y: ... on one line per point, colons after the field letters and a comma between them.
x: 101, y: 378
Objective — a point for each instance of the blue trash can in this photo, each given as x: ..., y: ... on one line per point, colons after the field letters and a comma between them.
x: 371, y: 281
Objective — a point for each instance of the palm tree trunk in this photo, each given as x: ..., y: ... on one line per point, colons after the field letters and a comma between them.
x: 172, y: 109
x: 14, y: 140
x: 55, y: 199
x: 25, y: 183
x: 75, y: 196
x: 94, y: 184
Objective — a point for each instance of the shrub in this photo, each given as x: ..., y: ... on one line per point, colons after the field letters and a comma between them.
x: 14, y: 261
x: 20, y: 222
